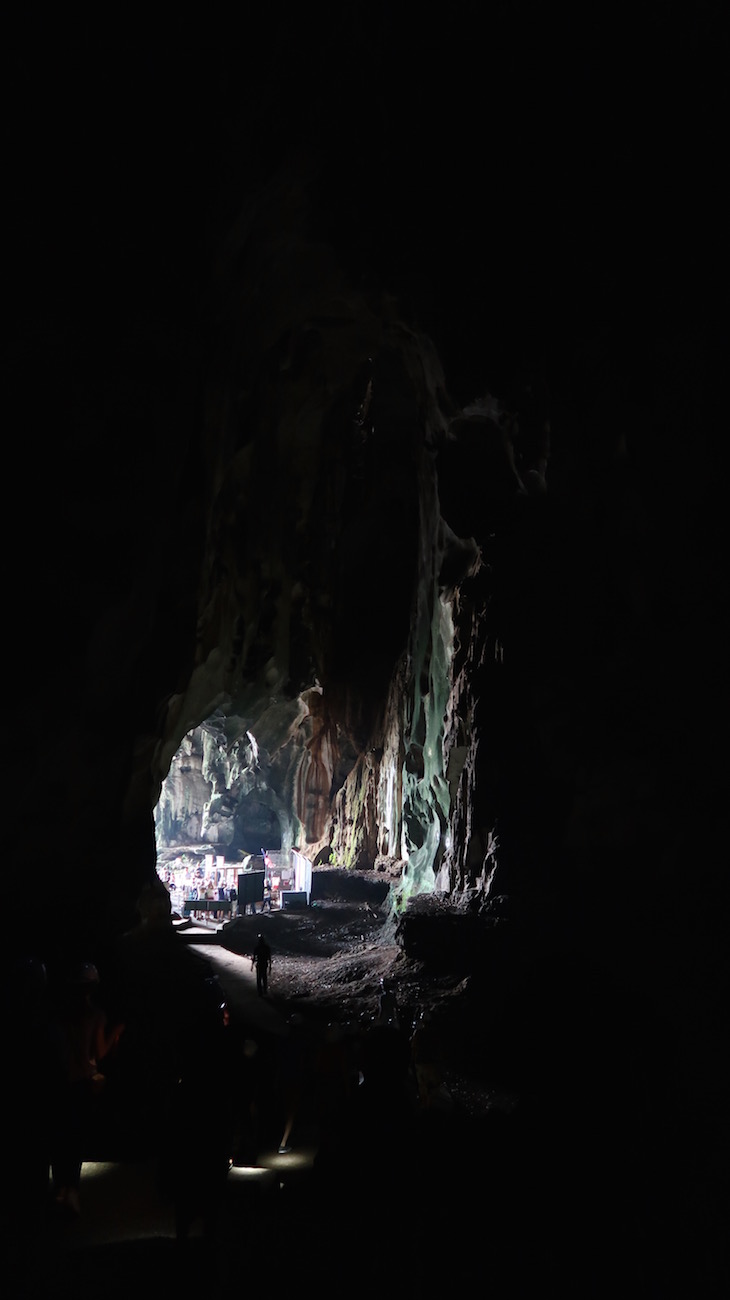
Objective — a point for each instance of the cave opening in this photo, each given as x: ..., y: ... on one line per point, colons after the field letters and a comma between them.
x: 221, y: 847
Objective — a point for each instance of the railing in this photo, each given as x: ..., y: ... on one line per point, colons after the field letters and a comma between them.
x: 206, y: 905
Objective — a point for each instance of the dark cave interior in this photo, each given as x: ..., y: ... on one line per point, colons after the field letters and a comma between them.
x: 225, y: 241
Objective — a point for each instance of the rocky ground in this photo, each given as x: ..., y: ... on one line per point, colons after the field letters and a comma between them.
x: 330, y: 961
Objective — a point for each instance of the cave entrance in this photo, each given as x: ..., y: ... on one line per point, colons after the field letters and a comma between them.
x: 218, y: 838
x: 209, y: 822
x: 218, y: 795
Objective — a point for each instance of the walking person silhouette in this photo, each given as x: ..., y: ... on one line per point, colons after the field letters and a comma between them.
x: 261, y: 959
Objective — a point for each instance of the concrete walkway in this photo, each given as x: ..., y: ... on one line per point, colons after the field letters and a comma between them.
x: 239, y: 982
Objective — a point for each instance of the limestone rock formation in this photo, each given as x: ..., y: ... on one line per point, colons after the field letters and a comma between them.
x: 347, y: 426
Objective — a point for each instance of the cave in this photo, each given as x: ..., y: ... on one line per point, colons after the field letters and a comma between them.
x: 366, y: 434
x: 216, y: 796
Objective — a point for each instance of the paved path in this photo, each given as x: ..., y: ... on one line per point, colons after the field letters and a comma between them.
x: 239, y: 981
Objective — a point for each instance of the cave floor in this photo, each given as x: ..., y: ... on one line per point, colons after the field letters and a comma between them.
x: 532, y: 1195
x: 126, y: 1230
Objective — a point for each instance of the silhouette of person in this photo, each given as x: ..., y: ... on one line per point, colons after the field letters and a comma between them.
x: 195, y: 1175
x: 251, y: 1091
x: 387, y: 1007
x: 33, y: 1080
x: 85, y: 1039
x: 334, y: 1081
x: 426, y: 1061
x: 292, y: 1075
x: 261, y: 959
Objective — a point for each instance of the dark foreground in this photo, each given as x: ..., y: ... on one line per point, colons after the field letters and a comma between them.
x: 387, y: 1184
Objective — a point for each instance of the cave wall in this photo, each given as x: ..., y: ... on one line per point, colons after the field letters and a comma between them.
x: 282, y: 367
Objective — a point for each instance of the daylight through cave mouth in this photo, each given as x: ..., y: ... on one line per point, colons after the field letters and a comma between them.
x: 212, y: 819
